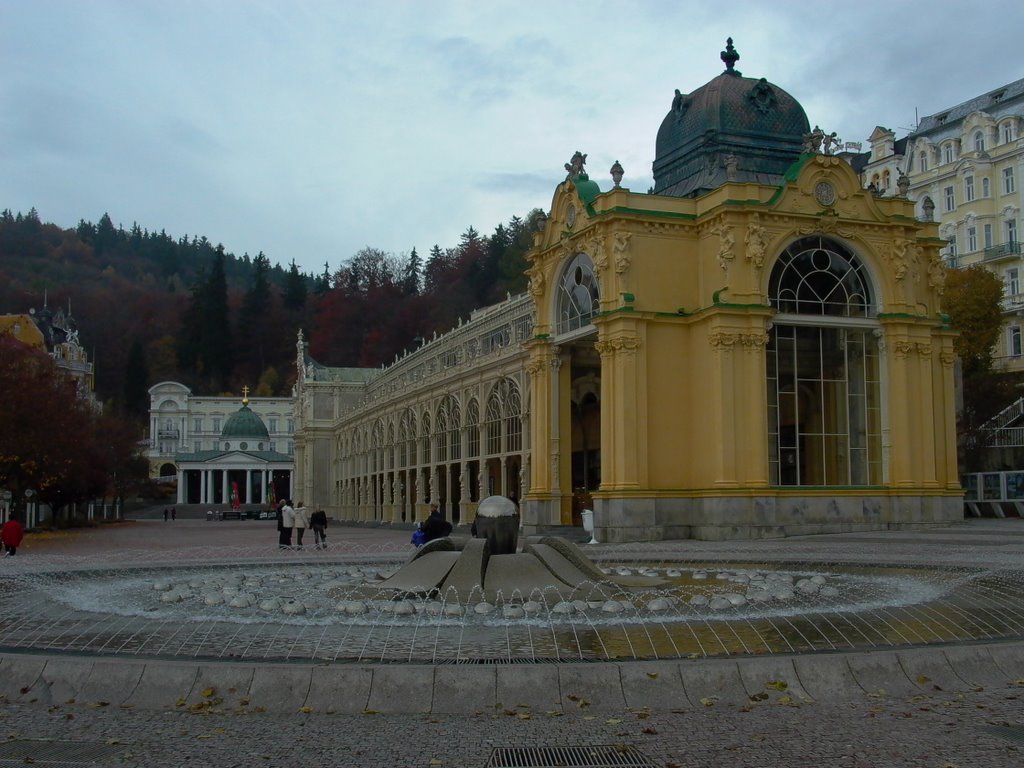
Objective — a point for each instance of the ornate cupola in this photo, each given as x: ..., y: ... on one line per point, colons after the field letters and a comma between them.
x: 734, y: 128
x: 244, y: 429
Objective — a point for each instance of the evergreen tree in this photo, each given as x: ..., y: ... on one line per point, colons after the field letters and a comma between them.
x: 252, y: 321
x: 412, y: 274
x: 295, y: 289
x: 136, y: 382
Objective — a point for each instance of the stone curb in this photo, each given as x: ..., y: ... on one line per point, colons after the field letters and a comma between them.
x: 469, y: 689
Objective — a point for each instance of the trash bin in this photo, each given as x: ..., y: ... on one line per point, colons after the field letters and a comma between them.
x: 209, y: 514
x: 588, y: 525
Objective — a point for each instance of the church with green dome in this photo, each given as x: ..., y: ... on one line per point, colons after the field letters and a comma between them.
x: 241, y: 469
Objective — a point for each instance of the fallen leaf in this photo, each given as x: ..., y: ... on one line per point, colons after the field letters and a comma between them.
x: 209, y: 692
x: 778, y: 685
x: 708, y: 701
x: 652, y: 675
x: 922, y: 679
x: 612, y: 721
x: 651, y: 730
x: 305, y: 710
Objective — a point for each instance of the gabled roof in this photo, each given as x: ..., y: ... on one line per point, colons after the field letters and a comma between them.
x: 985, y: 103
x: 206, y: 457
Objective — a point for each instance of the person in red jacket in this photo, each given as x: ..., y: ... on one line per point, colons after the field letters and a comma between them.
x: 11, y: 535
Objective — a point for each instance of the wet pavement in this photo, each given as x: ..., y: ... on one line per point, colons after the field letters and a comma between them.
x: 952, y: 705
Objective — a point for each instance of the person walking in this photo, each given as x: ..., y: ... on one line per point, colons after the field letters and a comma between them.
x: 301, y: 523
x: 318, y: 522
x: 11, y: 535
x: 287, y: 521
x: 174, y: 513
x: 166, y: 513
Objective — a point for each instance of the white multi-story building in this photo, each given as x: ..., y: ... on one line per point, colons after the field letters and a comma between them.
x: 965, y: 166
x: 181, y: 423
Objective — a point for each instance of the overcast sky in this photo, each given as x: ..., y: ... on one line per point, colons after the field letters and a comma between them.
x: 309, y: 130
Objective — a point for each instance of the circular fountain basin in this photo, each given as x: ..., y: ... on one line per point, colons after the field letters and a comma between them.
x: 333, y: 610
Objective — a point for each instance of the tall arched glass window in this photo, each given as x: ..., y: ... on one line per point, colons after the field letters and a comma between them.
x: 979, y: 141
x: 578, y: 294
x: 823, y: 369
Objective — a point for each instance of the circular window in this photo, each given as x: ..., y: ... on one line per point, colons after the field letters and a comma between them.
x: 243, y: 446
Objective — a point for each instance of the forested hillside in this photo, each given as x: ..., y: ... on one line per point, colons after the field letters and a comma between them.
x: 151, y: 307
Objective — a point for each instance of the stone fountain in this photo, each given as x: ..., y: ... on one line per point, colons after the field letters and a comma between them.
x: 488, y: 566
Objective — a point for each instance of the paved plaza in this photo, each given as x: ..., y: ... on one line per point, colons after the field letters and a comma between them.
x: 941, y: 705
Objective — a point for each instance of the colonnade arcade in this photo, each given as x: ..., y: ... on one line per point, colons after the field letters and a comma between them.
x: 452, y: 450
x: 212, y: 484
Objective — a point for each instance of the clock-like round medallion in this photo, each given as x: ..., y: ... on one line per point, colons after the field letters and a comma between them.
x: 825, y: 193
x: 570, y: 216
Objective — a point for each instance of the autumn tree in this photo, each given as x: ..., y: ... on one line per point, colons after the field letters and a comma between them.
x: 973, y: 301
x: 49, y: 433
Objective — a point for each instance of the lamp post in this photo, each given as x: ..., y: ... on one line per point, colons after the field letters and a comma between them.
x: 29, y: 510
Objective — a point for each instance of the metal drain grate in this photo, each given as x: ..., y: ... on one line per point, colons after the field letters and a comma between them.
x: 601, y: 756
x: 1011, y: 732
x: 51, y: 753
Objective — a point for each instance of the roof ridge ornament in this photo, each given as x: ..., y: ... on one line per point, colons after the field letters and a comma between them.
x: 575, y: 166
x: 730, y: 57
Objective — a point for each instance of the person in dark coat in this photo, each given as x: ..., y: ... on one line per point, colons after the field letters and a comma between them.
x: 318, y: 522
x: 435, y: 526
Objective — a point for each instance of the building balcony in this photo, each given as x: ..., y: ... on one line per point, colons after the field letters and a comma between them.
x: 169, y: 434
x: 1001, y: 251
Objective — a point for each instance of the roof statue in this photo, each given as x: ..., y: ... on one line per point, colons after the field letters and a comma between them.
x: 575, y: 166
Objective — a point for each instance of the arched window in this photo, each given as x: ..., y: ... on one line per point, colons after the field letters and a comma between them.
x: 922, y: 162
x: 578, y: 294
x: 823, y: 369
x: 817, y: 277
x: 979, y: 141
x: 441, y: 435
x: 473, y: 426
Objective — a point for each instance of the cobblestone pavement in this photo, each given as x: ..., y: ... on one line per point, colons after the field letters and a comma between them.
x: 983, y: 729
x: 934, y: 729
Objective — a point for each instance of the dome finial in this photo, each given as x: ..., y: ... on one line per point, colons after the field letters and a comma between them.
x: 245, y: 395
x: 730, y: 57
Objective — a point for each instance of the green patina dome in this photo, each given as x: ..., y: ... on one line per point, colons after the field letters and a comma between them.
x: 734, y: 128
x: 244, y: 423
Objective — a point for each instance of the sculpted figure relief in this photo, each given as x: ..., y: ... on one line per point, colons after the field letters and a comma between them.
x: 621, y: 251
x: 756, y: 241
x: 727, y: 240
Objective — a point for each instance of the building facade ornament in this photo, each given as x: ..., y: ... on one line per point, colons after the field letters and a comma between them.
x: 726, y: 245
x: 756, y: 241
x: 621, y: 253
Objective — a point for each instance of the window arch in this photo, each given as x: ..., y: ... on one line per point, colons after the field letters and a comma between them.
x: 473, y: 428
x: 578, y: 294
x: 503, y: 418
x: 823, y: 369
x: 816, y: 276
